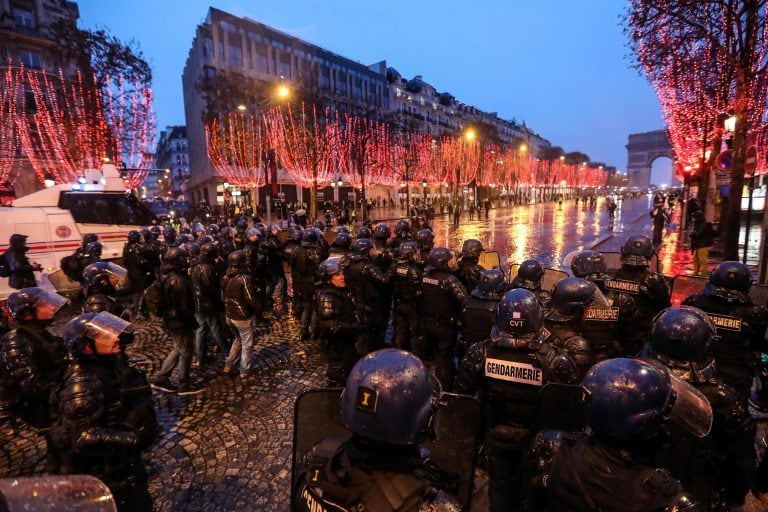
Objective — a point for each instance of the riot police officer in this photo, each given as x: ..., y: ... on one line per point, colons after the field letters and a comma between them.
x: 442, y: 306
x: 722, y: 463
x: 31, y: 359
x: 258, y: 261
x: 480, y: 309
x: 402, y: 234
x: 469, y: 271
x: 388, y: 405
x: 508, y: 370
x: 406, y: 295
x: 139, y: 276
x: 100, y: 287
x: 337, y: 324
x: 648, y: 289
x: 368, y: 284
x: 169, y: 238
x: 611, y: 330
x: 209, y: 306
x: 425, y: 240
x: 630, y: 401
x: 341, y: 245
x: 21, y: 273
x: 570, y: 299
x: 105, y: 411
x: 741, y: 324
x: 304, y: 263
x: 529, y: 276
x: 275, y: 274
x: 226, y: 241
x: 381, y: 234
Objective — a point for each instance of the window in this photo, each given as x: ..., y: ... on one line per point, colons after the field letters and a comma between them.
x: 357, y: 89
x: 100, y: 208
x: 23, y: 18
x: 341, y: 84
x: 325, y: 77
x: 31, y: 59
x: 236, y: 56
x: 261, y: 59
x: 285, y: 66
x: 208, y: 47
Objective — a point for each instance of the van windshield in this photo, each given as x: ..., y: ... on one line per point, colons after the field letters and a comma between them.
x: 101, y: 208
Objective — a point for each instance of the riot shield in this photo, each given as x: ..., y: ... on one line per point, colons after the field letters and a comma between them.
x: 613, y: 261
x: 63, y: 284
x: 76, y: 493
x: 489, y: 260
x: 561, y: 407
x: 551, y: 276
x: 683, y: 286
x: 457, y: 433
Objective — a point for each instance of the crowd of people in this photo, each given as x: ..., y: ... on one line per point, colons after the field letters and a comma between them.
x: 664, y: 390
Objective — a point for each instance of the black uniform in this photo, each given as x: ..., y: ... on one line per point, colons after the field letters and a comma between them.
x: 105, y: 417
x: 612, y: 330
x: 509, y: 404
x: 406, y: 295
x: 479, y: 317
x: 650, y: 292
x: 21, y: 271
x: 442, y: 306
x: 304, y: 263
x: 566, y: 334
x: 338, y: 327
x: 275, y: 273
x: 469, y: 272
x: 369, y: 285
x: 742, y: 329
x: 349, y: 475
x: 543, y: 296
x: 31, y: 366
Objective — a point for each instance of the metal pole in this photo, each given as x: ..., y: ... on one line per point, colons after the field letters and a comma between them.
x: 751, y: 182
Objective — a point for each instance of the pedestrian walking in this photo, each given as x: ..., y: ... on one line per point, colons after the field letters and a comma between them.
x: 241, y: 307
x: 703, y: 236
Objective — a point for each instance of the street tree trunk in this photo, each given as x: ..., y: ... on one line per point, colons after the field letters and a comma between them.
x: 732, y: 221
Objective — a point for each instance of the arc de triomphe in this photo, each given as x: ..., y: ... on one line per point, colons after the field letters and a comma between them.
x: 642, y: 150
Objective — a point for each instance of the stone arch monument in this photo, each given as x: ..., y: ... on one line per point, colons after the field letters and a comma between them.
x: 642, y: 150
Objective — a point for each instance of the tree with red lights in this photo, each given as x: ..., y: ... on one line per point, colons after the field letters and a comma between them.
x: 10, y: 105
x: 237, y: 146
x: 726, y: 41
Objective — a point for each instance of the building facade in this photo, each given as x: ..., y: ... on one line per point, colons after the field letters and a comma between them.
x: 27, y: 37
x: 248, y: 52
x: 172, y: 153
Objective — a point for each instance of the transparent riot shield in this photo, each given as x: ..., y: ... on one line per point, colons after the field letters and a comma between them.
x: 457, y: 433
x: 561, y: 407
x: 551, y: 276
x: 683, y: 286
x: 489, y: 260
x: 63, y: 284
x: 75, y: 493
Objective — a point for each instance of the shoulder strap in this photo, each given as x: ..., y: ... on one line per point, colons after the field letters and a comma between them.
x: 320, y: 456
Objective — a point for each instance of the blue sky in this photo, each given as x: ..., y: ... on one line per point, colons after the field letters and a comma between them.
x: 562, y: 66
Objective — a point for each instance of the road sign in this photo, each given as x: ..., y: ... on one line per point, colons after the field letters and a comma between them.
x: 750, y: 162
x: 725, y: 160
x: 723, y: 178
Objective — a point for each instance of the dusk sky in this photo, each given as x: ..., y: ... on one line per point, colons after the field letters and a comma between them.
x: 561, y: 66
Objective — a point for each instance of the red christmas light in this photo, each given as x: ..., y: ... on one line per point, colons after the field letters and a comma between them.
x: 237, y: 148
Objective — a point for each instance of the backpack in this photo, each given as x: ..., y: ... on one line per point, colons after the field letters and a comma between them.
x: 154, y: 296
x: 4, y: 270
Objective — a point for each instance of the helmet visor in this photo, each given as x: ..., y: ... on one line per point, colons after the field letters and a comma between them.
x: 108, y: 324
x: 50, y: 298
x: 116, y: 273
x: 690, y: 409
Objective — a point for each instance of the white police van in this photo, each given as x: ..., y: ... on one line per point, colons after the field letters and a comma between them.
x: 56, y: 218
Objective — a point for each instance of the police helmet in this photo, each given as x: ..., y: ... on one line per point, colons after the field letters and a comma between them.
x: 155, y: 230
x: 227, y: 232
x: 296, y: 234
x: 682, y: 333
x: 569, y: 298
x: 519, y: 319
x: 637, y: 251
x: 97, y: 303
x: 344, y: 229
x: 198, y: 229
x: 490, y: 286
x: 390, y: 397
x: 361, y: 246
x: 730, y: 280
x: 146, y: 234
x: 381, y: 232
x: 439, y: 258
x: 134, y: 236
x: 342, y: 241
x: 93, y: 250
x: 193, y: 250
x: 102, y: 277
x: 186, y: 237
x: 471, y: 248
x: 205, y: 239
x: 185, y: 230
x: 177, y: 257
x: 402, y: 228
x: 237, y: 259
x: 331, y: 266
x: 364, y: 232
x: 22, y: 304
x: 253, y: 234
x: 90, y: 238
x: 309, y: 238
x: 169, y: 233
x: 425, y: 239
x: 588, y: 263
x: 630, y: 399
x: 529, y: 275
x: 209, y: 252
x: 82, y: 331
x: 242, y: 225
x: 212, y: 230
x: 273, y: 229
x: 407, y: 250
